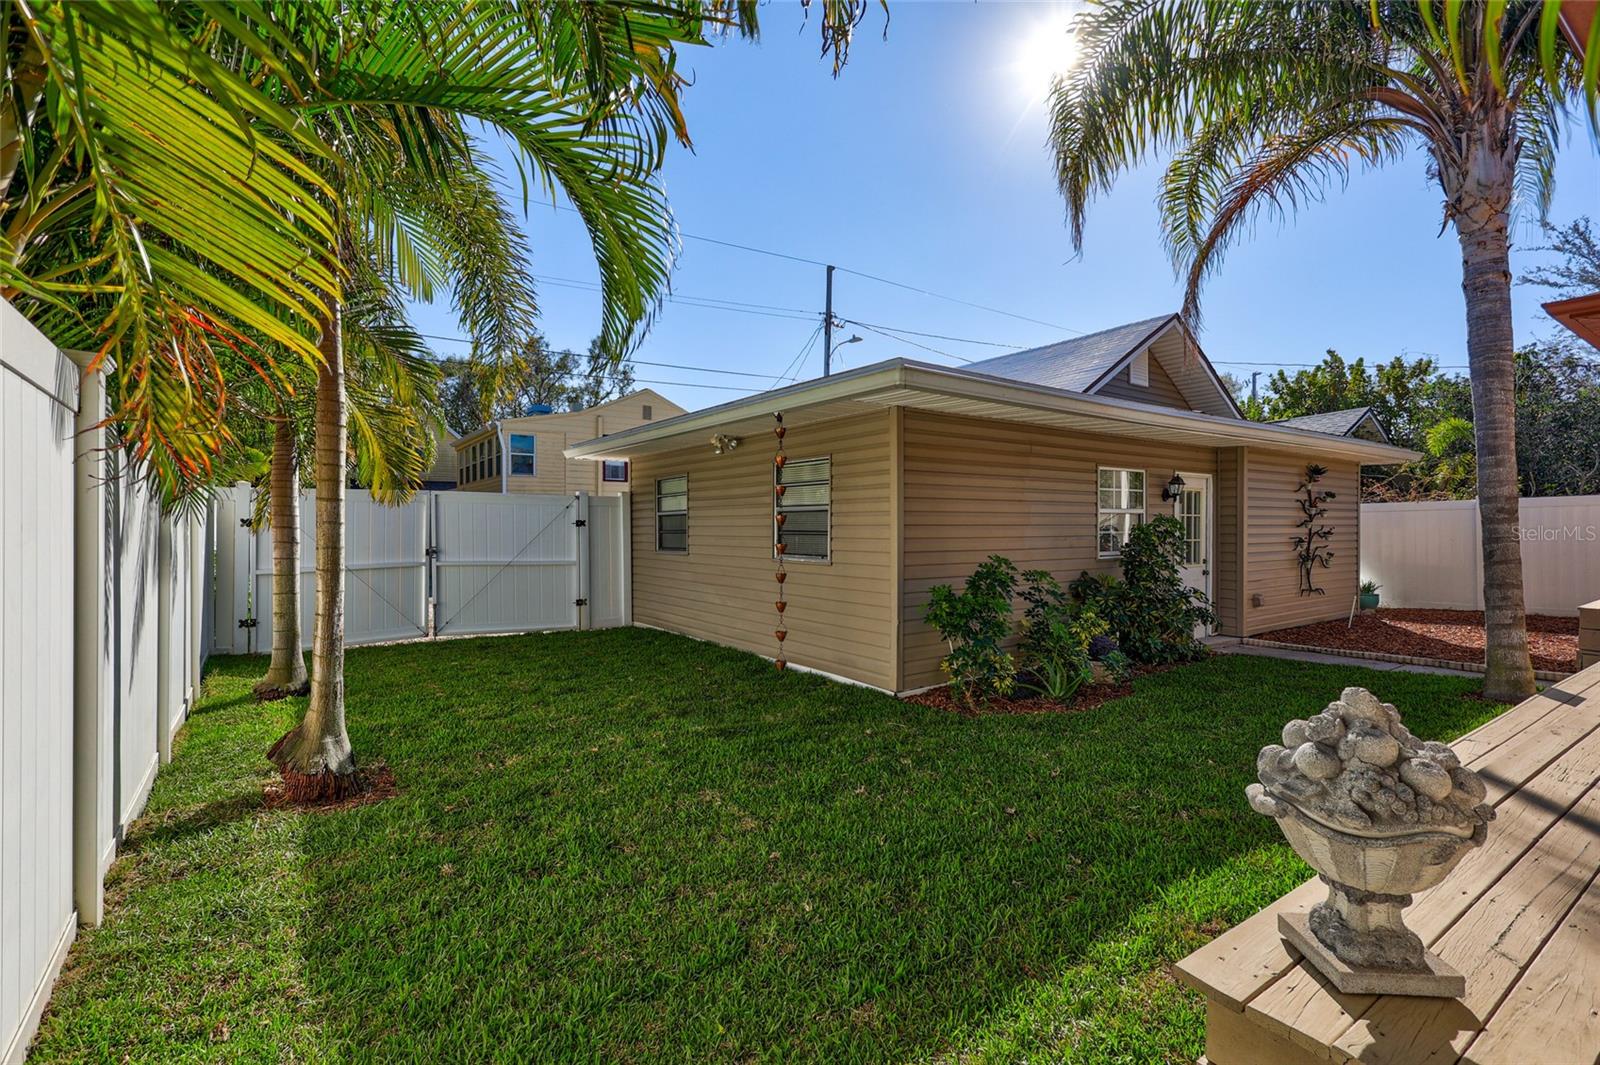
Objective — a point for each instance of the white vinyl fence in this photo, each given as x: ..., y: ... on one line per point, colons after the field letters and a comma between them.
x: 443, y: 564
x: 100, y: 654
x: 1429, y: 554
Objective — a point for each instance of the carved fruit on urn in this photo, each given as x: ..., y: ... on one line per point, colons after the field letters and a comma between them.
x: 1379, y: 814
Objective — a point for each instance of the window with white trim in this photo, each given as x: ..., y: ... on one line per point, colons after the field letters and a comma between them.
x: 1120, y: 506
x: 672, y: 514
x: 524, y: 463
x: 802, y: 505
x: 614, y: 470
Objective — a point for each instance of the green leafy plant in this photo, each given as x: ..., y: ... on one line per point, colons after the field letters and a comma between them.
x: 1055, y: 637
x: 1059, y: 680
x: 1152, y: 613
x: 1119, y: 667
x: 973, y: 623
x: 1370, y: 587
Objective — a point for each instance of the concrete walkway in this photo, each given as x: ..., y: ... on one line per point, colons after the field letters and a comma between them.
x: 1230, y: 645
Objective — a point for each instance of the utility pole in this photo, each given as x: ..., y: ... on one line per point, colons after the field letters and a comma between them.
x: 827, y: 329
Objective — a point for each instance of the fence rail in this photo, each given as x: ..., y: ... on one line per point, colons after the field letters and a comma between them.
x: 1429, y: 555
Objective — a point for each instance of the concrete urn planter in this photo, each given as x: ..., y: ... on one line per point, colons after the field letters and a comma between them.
x: 1379, y: 814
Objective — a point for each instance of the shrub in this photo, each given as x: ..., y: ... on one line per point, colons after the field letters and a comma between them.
x: 973, y: 623
x: 1152, y: 613
x: 1056, y: 634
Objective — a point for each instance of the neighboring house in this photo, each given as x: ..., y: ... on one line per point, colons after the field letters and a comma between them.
x: 903, y: 475
x: 525, y: 454
x: 444, y: 473
x: 1581, y: 314
x: 1356, y: 421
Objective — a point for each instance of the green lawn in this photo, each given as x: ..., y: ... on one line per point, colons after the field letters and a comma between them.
x: 626, y: 845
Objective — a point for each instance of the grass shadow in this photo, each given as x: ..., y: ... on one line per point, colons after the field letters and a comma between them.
x: 687, y: 854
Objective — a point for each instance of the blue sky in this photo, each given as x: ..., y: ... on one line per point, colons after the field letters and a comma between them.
x: 925, y: 163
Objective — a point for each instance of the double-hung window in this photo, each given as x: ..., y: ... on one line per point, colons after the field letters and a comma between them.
x: 1120, y: 507
x: 614, y: 470
x: 523, y: 460
x: 801, y: 508
x: 672, y: 514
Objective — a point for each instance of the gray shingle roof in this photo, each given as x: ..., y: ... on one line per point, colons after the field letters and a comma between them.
x: 1337, y: 422
x: 1073, y: 364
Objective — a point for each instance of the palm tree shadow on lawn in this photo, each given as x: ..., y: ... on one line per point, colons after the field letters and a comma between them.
x: 685, y: 853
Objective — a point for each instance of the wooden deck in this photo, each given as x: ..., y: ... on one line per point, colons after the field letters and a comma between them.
x: 1520, y: 916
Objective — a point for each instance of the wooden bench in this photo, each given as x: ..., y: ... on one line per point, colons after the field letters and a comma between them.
x: 1520, y: 916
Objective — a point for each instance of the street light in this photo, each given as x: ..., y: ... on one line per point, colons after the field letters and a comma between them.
x: 827, y: 358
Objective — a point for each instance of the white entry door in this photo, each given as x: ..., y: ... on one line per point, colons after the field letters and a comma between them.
x: 1193, y: 509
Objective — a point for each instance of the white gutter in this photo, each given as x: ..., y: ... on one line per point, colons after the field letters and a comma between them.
x: 895, y: 374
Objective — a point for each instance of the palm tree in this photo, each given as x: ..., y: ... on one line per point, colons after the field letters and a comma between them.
x: 394, y: 407
x: 1263, y: 106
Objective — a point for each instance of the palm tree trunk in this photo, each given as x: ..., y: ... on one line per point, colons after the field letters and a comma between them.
x: 315, y: 757
x: 287, y: 673
x: 1481, y: 224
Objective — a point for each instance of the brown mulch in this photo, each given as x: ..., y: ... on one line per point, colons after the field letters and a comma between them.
x: 1454, y: 635
x: 374, y: 783
x: 1087, y: 698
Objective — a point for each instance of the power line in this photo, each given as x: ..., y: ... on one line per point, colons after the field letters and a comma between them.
x: 913, y: 343
x: 935, y: 336
x: 845, y: 269
x: 792, y: 371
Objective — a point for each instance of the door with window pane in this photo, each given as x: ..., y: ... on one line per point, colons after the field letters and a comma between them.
x: 1193, y: 509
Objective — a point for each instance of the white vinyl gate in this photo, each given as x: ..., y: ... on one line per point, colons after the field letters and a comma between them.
x: 443, y: 564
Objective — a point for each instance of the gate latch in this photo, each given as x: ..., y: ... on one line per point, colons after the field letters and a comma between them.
x: 581, y: 522
x: 580, y: 602
x: 247, y: 623
x: 431, y: 552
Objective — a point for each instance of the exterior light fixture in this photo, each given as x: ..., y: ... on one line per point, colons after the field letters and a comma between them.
x: 721, y: 443
x: 1173, y: 490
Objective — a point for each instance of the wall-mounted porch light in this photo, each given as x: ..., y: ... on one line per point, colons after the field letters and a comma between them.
x: 1173, y: 490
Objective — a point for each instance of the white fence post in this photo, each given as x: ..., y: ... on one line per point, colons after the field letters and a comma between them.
x: 581, y: 528
x: 625, y: 553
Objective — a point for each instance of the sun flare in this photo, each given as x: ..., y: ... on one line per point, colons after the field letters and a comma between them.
x: 1045, y: 52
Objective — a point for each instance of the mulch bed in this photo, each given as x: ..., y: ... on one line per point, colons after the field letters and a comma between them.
x: 1087, y: 698
x: 374, y: 783
x: 1455, y: 635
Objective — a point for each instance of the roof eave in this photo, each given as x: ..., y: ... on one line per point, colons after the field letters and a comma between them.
x: 1581, y: 314
x: 907, y: 374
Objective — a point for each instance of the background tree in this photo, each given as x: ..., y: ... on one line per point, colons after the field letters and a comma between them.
x: 1578, y: 273
x: 1264, y: 106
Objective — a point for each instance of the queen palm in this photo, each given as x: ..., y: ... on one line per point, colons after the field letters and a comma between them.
x: 1264, y: 106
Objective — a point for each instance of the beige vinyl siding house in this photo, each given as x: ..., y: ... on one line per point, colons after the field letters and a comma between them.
x: 525, y: 454
x: 932, y: 469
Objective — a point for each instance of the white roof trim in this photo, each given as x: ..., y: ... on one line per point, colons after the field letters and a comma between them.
x: 886, y: 383
x: 1189, y: 342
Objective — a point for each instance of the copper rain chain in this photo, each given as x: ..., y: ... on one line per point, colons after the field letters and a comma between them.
x: 782, y: 631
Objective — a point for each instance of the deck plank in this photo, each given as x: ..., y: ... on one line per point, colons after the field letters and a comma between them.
x: 1537, y: 759
x: 1553, y: 1013
x: 1492, y: 943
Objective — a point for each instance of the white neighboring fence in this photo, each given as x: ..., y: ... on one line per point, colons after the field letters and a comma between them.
x: 1428, y: 554
x: 100, y: 655
x: 443, y: 564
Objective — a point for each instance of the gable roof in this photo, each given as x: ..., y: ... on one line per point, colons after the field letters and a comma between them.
x: 1088, y: 363
x: 1076, y: 364
x: 1338, y: 422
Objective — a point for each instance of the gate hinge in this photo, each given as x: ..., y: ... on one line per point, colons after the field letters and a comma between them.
x: 247, y: 623
x: 581, y: 522
x: 580, y: 602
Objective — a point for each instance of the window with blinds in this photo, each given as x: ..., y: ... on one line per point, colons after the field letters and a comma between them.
x: 804, y: 505
x: 672, y: 514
